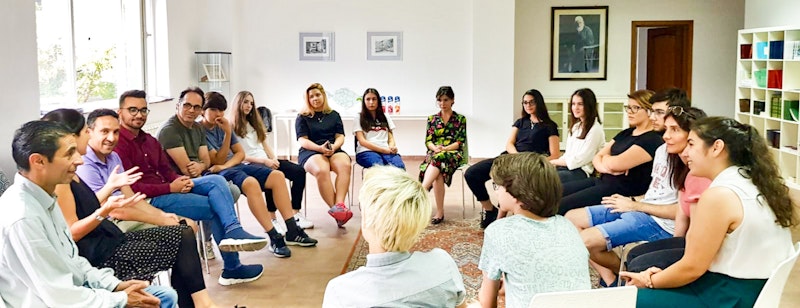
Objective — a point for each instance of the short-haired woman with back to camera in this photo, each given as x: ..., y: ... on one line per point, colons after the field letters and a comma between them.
x: 445, y: 138
x: 586, y: 138
x: 320, y: 133
x: 535, y: 250
x: 374, y: 134
x: 740, y: 227
x: 533, y: 131
x: 395, y: 210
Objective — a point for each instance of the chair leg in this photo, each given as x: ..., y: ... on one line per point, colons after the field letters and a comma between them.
x: 621, y: 264
x: 201, y: 245
x: 463, y: 200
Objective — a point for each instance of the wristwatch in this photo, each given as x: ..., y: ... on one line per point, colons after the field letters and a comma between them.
x: 99, y: 218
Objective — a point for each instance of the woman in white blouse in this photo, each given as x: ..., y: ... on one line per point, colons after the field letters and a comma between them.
x: 586, y: 138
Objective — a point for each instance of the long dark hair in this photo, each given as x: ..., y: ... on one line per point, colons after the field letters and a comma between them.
x: 541, y: 109
x: 685, y: 118
x: 589, y: 111
x: 748, y: 150
x: 366, y: 120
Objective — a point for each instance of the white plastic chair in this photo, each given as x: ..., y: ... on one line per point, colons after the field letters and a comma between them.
x: 619, y: 297
x: 770, y: 295
x: 463, y: 168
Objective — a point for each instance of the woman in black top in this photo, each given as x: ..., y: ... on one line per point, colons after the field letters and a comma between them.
x: 320, y: 133
x: 625, y: 163
x: 534, y: 131
x: 133, y: 255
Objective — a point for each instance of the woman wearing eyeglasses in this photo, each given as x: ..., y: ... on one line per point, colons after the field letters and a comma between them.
x: 586, y: 138
x: 445, y: 138
x: 740, y: 226
x: 624, y: 163
x: 534, y: 131
x: 320, y: 133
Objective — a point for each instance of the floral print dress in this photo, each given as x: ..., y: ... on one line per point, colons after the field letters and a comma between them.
x: 440, y: 133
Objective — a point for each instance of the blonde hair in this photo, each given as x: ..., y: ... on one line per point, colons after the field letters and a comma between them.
x: 643, y: 98
x: 307, y: 109
x: 394, y: 206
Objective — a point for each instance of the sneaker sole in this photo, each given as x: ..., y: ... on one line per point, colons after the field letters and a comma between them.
x: 233, y: 281
x: 301, y: 244
x: 242, y: 245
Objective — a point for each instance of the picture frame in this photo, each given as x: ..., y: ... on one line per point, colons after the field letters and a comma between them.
x: 387, y: 46
x: 579, y: 43
x: 317, y: 46
x: 214, y: 72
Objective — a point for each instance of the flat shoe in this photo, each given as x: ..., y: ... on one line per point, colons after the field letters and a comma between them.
x: 437, y: 221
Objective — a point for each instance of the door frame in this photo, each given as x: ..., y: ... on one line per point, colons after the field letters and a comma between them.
x: 687, y: 52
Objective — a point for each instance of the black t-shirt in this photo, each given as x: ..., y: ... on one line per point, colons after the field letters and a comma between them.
x: 320, y: 127
x: 100, y: 243
x: 533, y: 137
x: 638, y: 178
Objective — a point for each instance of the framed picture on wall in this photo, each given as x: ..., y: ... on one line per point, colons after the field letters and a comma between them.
x: 214, y: 72
x: 317, y: 46
x: 385, y: 46
x: 579, y: 43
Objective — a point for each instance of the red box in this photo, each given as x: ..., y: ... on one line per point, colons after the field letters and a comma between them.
x: 746, y: 51
x: 775, y: 79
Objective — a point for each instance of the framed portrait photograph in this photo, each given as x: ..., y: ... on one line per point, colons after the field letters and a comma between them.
x: 214, y: 72
x: 579, y: 43
x: 385, y: 46
x: 317, y: 46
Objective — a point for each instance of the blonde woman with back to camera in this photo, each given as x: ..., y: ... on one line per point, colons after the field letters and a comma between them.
x: 395, y: 209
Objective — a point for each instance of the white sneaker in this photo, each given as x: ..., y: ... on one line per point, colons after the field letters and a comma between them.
x: 302, y: 222
x: 279, y: 226
x: 209, y: 251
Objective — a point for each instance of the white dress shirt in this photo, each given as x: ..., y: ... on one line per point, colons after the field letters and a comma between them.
x: 39, y: 261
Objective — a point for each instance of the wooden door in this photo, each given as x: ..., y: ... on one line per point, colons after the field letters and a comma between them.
x: 666, y: 58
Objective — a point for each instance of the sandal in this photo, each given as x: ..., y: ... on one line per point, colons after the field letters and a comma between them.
x: 437, y: 220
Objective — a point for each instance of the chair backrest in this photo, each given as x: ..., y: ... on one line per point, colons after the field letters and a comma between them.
x: 619, y: 297
x: 266, y: 117
x: 770, y: 295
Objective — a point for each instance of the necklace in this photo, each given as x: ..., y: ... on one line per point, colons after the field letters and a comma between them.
x: 533, y: 124
x: 321, y: 118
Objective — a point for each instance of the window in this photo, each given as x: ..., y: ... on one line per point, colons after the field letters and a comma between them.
x: 90, y: 51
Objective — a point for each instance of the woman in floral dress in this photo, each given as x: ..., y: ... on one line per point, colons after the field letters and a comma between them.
x: 445, y: 139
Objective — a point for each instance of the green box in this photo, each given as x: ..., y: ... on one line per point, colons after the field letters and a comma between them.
x: 761, y: 78
x: 791, y: 110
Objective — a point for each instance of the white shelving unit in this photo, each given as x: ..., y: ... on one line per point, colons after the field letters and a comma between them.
x: 767, y: 91
x: 610, y: 109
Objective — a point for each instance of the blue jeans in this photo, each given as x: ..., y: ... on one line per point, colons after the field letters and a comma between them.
x: 209, y: 199
x: 167, y: 296
x: 566, y: 175
x: 626, y: 227
x: 369, y: 158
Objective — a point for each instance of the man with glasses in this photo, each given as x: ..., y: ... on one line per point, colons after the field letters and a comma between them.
x: 198, y: 198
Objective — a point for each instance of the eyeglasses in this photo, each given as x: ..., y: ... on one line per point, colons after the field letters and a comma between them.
x: 531, y: 103
x: 635, y: 109
x: 134, y: 111
x: 187, y: 106
x: 678, y: 111
x: 660, y: 112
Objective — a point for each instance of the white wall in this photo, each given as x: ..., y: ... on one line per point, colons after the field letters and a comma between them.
x: 713, y: 63
x: 18, y: 74
x: 771, y: 13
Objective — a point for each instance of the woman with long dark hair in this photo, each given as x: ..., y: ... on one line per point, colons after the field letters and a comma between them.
x: 134, y: 255
x: 249, y: 128
x: 533, y: 131
x: 586, y: 138
x: 374, y: 138
x: 740, y: 228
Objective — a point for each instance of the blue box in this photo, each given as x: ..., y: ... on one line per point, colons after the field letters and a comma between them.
x: 762, y: 50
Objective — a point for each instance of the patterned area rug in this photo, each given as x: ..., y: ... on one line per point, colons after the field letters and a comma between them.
x: 461, y: 238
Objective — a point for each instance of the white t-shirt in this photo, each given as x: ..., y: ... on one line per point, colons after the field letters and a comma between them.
x: 580, y: 152
x: 661, y: 191
x: 252, y: 148
x: 376, y: 135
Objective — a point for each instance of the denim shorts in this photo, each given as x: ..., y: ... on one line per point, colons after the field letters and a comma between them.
x: 623, y: 228
x: 241, y: 172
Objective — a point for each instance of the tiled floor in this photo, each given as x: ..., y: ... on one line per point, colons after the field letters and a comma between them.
x: 300, y: 281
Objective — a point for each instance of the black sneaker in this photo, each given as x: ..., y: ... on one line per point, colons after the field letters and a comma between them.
x: 299, y: 238
x: 488, y: 218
